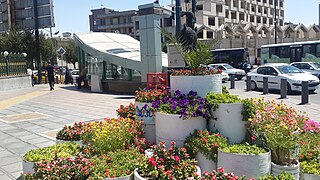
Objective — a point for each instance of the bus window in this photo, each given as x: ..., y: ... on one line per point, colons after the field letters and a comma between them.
x: 318, y: 50
x: 284, y: 52
x: 308, y: 49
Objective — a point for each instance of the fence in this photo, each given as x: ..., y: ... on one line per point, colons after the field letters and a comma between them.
x: 12, y: 66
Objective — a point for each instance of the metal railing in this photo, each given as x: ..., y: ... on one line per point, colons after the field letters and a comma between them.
x: 12, y: 66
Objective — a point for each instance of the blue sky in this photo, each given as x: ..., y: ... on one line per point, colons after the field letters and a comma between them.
x: 73, y: 15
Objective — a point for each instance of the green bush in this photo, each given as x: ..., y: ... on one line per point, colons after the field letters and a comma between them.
x: 310, y: 167
x: 215, y: 99
x: 282, y: 176
x: 243, y: 149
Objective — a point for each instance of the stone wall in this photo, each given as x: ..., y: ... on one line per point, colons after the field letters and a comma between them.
x: 15, y: 82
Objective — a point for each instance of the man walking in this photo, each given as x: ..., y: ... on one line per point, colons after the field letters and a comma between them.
x: 82, y: 76
x: 50, y: 70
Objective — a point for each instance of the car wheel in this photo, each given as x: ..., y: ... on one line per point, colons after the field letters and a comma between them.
x: 289, y: 90
x: 253, y: 85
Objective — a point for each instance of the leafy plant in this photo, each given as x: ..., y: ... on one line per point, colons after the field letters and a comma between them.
x: 186, y: 105
x: 115, y: 164
x: 243, y: 149
x: 148, y: 95
x: 127, y: 111
x: 195, y: 72
x: 310, y: 167
x: 71, y: 133
x: 309, y: 146
x: 112, y: 134
x: 174, y: 163
x: 61, y: 168
x: 225, y: 90
x: 62, y: 150
x: 205, y: 142
x: 282, y: 176
x: 220, y: 174
x: 279, y: 126
x: 216, y: 99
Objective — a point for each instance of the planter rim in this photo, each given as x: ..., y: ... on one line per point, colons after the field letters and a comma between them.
x: 159, y: 112
x: 131, y: 174
x: 135, y: 172
x: 235, y: 103
x: 268, y: 152
x: 197, y: 75
x: 293, y: 165
x: 142, y: 102
x: 68, y: 140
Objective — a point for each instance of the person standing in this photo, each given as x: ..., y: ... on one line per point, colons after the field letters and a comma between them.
x: 30, y: 73
x: 50, y: 70
x: 82, y: 76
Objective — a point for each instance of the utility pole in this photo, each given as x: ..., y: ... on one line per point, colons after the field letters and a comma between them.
x: 36, y: 28
x: 275, y: 21
x: 178, y: 18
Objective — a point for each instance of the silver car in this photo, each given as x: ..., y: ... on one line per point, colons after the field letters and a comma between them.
x: 311, y: 67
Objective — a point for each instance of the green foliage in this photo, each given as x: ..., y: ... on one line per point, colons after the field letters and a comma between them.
x: 67, y: 149
x: 71, y: 53
x: 243, y: 149
x: 205, y: 142
x: 216, y: 99
x: 309, y: 146
x: 249, y: 108
x: 201, y: 55
x: 310, y: 167
x: 115, y: 164
x: 282, y: 176
x: 225, y: 90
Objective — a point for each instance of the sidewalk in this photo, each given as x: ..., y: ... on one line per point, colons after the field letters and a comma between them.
x: 312, y: 110
x: 30, y: 118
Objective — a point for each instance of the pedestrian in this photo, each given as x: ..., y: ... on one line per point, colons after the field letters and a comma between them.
x: 50, y: 70
x: 82, y: 76
x: 68, y: 76
x: 30, y: 73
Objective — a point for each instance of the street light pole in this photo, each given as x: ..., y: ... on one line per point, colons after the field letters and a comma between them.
x: 275, y: 22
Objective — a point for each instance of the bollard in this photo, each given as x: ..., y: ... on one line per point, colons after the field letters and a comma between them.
x: 265, y: 85
x: 248, y: 83
x: 283, y: 89
x: 232, y: 77
x: 305, y: 92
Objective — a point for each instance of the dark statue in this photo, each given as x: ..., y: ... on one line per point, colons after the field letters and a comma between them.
x: 188, y: 35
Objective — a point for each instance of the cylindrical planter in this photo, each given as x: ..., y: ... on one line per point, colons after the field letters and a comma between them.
x: 253, y: 166
x: 227, y: 119
x: 205, y: 163
x: 306, y: 176
x: 27, y: 167
x: 129, y: 177
x: 170, y: 127
x: 201, y: 84
x: 144, y: 113
x: 138, y: 177
x: 278, y: 169
x: 80, y: 143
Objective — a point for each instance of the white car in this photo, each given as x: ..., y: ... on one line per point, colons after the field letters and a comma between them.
x: 227, y: 68
x: 75, y: 75
x: 276, y: 72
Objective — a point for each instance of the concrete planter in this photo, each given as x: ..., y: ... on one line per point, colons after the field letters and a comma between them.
x: 253, y: 166
x: 227, y: 119
x: 169, y: 127
x: 138, y: 177
x: 204, y: 163
x: 129, y: 177
x: 144, y: 113
x: 201, y: 84
x: 306, y: 176
x: 27, y: 167
x: 278, y: 169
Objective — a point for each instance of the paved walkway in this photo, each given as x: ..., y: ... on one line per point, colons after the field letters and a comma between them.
x: 29, y: 119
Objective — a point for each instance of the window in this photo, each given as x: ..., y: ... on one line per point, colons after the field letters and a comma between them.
x: 200, y: 7
x: 233, y: 15
x: 262, y: 70
x: 284, y: 52
x: 274, y: 51
x: 305, y: 66
x: 264, y: 20
x: 241, y: 16
x: 209, y: 35
x: 219, y: 7
x: 227, y: 14
x: 281, y: 3
x: 271, y: 71
x: 258, y: 19
x: 211, y: 21
x: 308, y: 49
x: 264, y: 1
x: 297, y: 65
x: 318, y: 50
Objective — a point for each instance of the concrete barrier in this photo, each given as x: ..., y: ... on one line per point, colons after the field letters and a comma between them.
x: 15, y: 82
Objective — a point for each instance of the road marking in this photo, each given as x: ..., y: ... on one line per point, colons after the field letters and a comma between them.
x: 19, y: 99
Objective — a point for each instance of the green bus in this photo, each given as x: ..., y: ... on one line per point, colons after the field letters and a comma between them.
x: 306, y: 51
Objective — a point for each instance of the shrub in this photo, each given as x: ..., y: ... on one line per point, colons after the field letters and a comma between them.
x: 243, y: 149
x: 71, y: 133
x: 215, y: 99
x: 127, y: 111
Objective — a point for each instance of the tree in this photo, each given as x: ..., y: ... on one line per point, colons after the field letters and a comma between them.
x: 71, y: 53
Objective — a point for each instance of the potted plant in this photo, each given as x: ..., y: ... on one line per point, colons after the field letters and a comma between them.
x: 178, y: 116
x: 240, y: 159
x: 127, y: 111
x: 71, y: 133
x: 143, y: 102
x: 167, y: 163
x: 282, y: 175
x: 118, y: 164
x: 204, y: 145
x: 221, y: 175
x: 67, y: 149
x: 278, y: 127
x: 226, y: 116
x: 196, y: 78
x: 112, y: 134
x: 61, y: 168
x: 309, y: 151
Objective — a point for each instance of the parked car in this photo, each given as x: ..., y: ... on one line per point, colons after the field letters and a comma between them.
x: 227, y: 68
x: 225, y: 76
x: 75, y: 75
x: 275, y: 72
x: 311, y: 67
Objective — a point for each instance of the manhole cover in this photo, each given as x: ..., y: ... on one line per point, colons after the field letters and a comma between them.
x: 23, y: 117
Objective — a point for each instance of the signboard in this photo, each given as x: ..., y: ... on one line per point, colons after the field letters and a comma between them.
x: 61, y: 51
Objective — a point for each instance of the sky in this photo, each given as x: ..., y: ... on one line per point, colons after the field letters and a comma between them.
x: 73, y: 15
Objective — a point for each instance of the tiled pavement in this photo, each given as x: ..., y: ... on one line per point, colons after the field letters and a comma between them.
x: 30, y: 117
